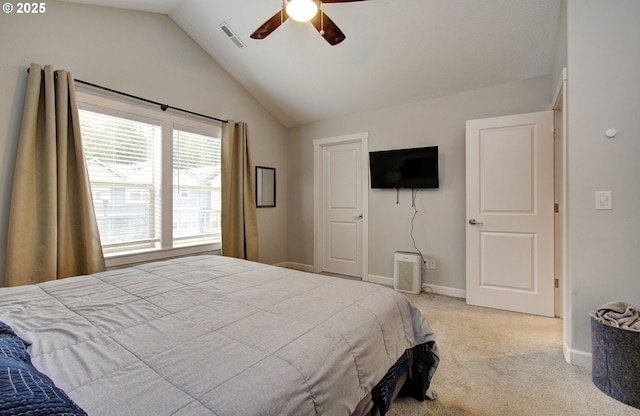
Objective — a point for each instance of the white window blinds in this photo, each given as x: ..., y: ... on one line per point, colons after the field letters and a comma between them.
x: 124, y: 164
x: 196, y: 188
x: 134, y: 160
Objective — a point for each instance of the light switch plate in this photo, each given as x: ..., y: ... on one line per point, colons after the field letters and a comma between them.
x: 603, y: 200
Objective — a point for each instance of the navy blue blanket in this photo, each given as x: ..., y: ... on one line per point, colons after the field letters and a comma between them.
x: 23, y: 389
x: 420, y: 362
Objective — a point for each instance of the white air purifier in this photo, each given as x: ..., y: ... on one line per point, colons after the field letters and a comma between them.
x: 407, y: 272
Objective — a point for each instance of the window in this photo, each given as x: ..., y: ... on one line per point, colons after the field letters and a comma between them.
x: 196, y: 184
x: 155, y: 177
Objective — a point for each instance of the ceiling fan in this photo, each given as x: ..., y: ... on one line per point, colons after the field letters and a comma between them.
x: 304, y: 11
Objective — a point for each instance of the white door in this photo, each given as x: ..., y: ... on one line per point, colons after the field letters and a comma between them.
x: 509, y: 204
x: 342, y: 208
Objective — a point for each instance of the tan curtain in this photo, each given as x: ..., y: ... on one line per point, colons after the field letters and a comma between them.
x: 52, y: 226
x: 239, y: 224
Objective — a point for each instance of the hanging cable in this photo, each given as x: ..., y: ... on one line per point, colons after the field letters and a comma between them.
x: 414, y: 193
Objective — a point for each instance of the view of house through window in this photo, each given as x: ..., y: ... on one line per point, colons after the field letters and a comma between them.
x: 132, y: 161
x: 196, y: 185
x: 124, y: 165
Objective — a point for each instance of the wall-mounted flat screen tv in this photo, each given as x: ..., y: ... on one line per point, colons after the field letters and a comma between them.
x: 405, y: 168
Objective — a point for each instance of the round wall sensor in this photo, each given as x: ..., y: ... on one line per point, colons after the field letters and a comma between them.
x: 611, y: 133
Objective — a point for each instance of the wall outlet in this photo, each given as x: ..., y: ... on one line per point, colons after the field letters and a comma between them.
x: 425, y: 263
x: 432, y: 264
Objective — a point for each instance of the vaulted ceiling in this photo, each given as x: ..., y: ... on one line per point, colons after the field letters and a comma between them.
x: 395, y: 51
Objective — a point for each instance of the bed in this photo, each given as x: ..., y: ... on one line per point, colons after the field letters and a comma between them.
x: 212, y: 335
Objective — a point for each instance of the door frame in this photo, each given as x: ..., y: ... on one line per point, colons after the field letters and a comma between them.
x: 562, y: 171
x: 560, y: 200
x: 318, y: 197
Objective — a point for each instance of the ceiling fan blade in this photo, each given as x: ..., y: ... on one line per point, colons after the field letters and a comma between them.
x: 329, y: 30
x: 270, y: 25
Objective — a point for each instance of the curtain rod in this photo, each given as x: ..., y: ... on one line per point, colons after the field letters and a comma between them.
x: 163, y: 107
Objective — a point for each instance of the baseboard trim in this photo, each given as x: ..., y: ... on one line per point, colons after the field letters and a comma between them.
x: 446, y: 291
x: 438, y: 290
x: 577, y: 357
x: 296, y: 266
x: 383, y: 280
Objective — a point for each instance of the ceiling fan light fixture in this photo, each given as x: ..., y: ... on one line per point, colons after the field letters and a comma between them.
x: 302, y: 10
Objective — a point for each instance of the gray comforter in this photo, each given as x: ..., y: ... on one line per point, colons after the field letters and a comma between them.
x: 213, y: 335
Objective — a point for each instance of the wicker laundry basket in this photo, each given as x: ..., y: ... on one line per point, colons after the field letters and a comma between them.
x: 616, y: 362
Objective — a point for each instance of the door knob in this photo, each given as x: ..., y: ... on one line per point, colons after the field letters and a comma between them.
x: 359, y: 216
x: 472, y: 221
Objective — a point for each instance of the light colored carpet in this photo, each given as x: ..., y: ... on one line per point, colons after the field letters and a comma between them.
x: 496, y: 363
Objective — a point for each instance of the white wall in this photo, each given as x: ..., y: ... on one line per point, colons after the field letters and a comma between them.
x: 440, y: 223
x: 560, y: 59
x: 603, y: 92
x: 144, y: 54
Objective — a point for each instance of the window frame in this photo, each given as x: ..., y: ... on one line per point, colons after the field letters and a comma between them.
x: 108, y: 103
